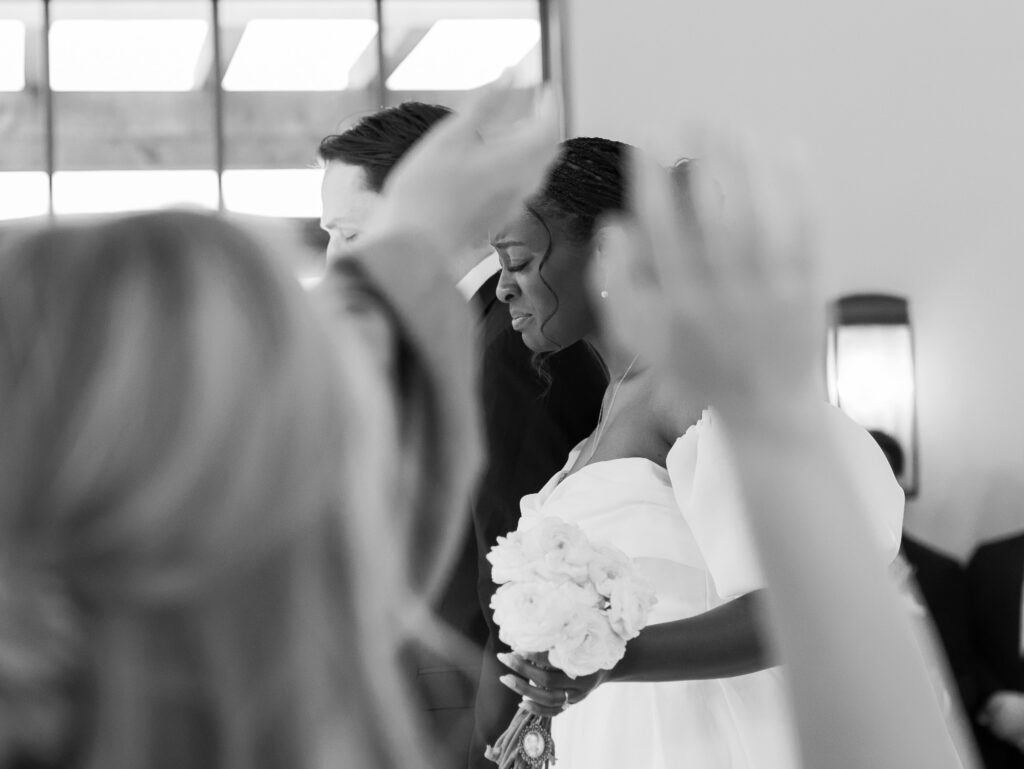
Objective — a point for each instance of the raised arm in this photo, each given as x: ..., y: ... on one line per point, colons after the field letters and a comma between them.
x: 735, y: 284
x: 436, y: 202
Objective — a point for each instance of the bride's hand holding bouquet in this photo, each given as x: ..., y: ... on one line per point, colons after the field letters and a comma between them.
x: 566, y: 606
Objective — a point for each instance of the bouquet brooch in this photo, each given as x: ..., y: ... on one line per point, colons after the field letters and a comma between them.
x: 563, y: 602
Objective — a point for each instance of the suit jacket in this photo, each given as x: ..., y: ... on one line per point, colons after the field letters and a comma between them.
x: 995, y: 576
x: 530, y: 426
x: 942, y: 583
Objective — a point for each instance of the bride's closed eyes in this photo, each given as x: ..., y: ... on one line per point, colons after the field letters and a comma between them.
x: 513, y: 256
x: 513, y: 264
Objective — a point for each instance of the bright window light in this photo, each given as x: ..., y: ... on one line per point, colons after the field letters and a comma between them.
x: 125, y: 54
x: 298, y: 54
x: 98, y: 192
x: 12, y: 55
x: 460, y: 54
x: 24, y: 194
x: 293, y: 192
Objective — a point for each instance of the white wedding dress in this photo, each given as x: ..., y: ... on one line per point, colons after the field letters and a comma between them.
x: 686, y: 528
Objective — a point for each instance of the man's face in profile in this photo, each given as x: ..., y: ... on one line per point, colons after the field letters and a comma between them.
x: 347, y: 204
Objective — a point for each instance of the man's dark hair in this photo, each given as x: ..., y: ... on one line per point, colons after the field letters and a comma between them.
x: 378, y: 141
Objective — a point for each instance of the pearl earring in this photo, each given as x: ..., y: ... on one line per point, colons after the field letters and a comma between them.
x: 604, y: 294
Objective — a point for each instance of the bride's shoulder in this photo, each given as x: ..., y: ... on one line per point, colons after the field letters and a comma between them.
x: 673, y: 416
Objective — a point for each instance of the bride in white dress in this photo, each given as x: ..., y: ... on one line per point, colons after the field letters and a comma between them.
x: 697, y: 687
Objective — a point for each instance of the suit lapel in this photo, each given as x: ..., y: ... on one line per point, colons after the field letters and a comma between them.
x: 485, y: 298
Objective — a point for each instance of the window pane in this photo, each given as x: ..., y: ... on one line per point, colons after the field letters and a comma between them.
x: 132, y: 91
x: 291, y: 192
x: 94, y: 192
x: 126, y: 54
x: 24, y: 194
x: 298, y: 54
x: 460, y: 54
x: 293, y: 71
x: 12, y: 54
x: 436, y: 50
x: 22, y: 109
x: 103, y: 191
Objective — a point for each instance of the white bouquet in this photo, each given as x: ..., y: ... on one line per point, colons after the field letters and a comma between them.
x: 563, y: 601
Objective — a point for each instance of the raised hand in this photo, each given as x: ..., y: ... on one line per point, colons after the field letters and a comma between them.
x: 712, y: 277
x: 454, y: 183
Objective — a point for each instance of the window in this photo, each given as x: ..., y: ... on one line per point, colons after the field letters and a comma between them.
x: 436, y: 51
x: 24, y: 181
x: 114, y: 105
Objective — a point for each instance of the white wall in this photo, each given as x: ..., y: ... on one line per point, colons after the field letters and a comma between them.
x: 912, y: 112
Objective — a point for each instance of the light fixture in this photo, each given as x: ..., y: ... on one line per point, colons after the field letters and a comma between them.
x: 12, y: 55
x: 870, y: 373
x: 125, y: 54
x: 98, y: 192
x: 461, y: 54
x: 298, y: 54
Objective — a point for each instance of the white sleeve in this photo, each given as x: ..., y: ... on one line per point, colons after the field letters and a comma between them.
x: 703, y: 479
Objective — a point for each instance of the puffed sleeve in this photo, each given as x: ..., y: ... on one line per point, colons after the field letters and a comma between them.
x: 704, y: 482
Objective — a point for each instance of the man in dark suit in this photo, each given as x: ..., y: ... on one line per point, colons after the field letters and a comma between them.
x: 531, y: 421
x: 996, y: 583
x: 942, y: 582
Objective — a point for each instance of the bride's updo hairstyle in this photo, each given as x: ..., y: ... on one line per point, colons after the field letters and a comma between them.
x: 587, y: 182
x: 192, y: 510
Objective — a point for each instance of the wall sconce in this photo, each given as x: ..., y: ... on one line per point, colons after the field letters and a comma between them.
x: 870, y: 373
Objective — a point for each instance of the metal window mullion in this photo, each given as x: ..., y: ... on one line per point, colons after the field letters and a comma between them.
x: 381, y: 63
x: 555, y: 54
x: 47, y: 93
x: 218, y: 103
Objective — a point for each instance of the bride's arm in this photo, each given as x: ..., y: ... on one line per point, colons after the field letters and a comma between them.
x: 720, y: 643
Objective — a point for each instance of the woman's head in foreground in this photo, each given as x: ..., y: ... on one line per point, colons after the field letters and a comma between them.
x: 184, y: 578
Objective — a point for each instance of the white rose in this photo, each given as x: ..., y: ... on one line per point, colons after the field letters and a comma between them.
x: 531, y: 616
x: 609, y: 566
x: 512, y: 562
x: 630, y: 603
x: 566, y: 549
x: 587, y: 645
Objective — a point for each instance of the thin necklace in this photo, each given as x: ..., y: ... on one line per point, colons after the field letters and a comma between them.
x: 601, y: 422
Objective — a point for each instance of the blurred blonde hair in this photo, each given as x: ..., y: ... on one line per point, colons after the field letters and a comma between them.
x: 192, y: 509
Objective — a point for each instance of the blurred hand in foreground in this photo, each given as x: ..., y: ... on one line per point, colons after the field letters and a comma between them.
x: 453, y: 184
x: 714, y: 279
